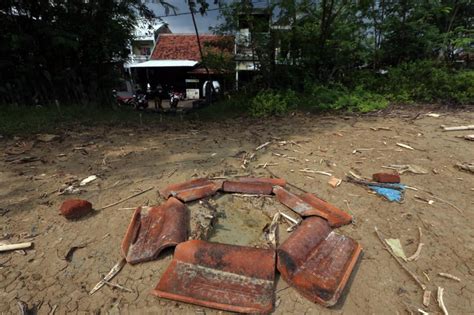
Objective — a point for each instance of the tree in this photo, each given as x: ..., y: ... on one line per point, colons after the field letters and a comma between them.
x: 66, y: 50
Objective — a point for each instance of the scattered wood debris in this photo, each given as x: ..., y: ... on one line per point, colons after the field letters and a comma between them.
x: 428, y: 201
x: 112, y: 273
x: 387, y: 248
x: 271, y: 231
x: 434, y: 115
x: 262, y: 145
x: 87, y: 180
x: 406, y: 146
x: 308, y: 170
x: 118, y: 286
x: 9, y: 247
x: 466, y: 167
x: 403, y: 168
x: 127, y: 198
x: 440, y: 300
x: 206, y: 223
x: 457, y: 128
x: 417, y: 253
x: 469, y: 137
x: 426, y: 298
x: 449, y: 276
x: 380, y: 128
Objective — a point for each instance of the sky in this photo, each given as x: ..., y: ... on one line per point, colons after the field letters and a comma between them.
x: 184, y: 23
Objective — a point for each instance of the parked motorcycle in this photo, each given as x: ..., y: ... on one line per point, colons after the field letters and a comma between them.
x: 124, y: 100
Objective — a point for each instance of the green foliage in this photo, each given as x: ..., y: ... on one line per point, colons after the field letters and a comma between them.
x: 421, y: 81
x: 271, y: 102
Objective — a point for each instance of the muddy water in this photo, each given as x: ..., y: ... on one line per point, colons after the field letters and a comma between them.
x: 239, y: 223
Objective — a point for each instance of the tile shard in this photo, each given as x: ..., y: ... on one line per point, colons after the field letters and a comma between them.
x: 309, y: 205
x: 335, y: 216
x: 257, y: 188
x: 228, y: 277
x: 192, y: 190
x: 317, y: 262
x: 154, y: 228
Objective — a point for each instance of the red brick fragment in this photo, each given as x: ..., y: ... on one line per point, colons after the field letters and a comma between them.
x: 386, y: 177
x: 75, y: 208
x: 247, y: 187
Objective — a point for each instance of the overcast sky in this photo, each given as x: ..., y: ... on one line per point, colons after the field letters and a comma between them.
x: 184, y: 23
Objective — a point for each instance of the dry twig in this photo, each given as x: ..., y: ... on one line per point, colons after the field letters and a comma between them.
x: 441, y: 302
x: 417, y: 253
x: 125, y: 199
x: 112, y: 273
x: 399, y: 261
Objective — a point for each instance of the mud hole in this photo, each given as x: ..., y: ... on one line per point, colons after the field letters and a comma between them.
x: 129, y: 160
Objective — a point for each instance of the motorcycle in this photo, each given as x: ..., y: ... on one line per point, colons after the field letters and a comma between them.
x: 141, y: 101
x: 175, y: 97
x: 122, y: 100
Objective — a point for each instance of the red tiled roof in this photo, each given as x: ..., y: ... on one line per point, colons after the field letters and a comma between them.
x: 181, y: 46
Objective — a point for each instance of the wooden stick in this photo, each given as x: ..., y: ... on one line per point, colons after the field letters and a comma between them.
x: 8, y: 247
x: 112, y: 273
x: 417, y: 253
x: 367, y: 183
x: 458, y: 128
x: 441, y: 302
x: 399, y: 261
x: 449, y: 276
x: 125, y: 199
x: 118, y: 286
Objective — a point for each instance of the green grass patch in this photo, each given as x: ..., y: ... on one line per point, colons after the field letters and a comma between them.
x: 20, y: 120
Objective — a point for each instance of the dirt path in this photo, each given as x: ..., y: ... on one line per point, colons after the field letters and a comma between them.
x: 128, y: 160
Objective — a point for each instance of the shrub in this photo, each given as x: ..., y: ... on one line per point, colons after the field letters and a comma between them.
x: 271, y: 102
x: 361, y: 101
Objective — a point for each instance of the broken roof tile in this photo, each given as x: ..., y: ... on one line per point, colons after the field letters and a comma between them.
x: 228, y: 277
x: 335, y: 216
x: 247, y: 187
x: 154, y: 228
x: 296, y: 204
x: 318, y: 262
x: 192, y: 190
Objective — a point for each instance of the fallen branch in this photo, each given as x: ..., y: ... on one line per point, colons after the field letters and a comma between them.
x: 262, y: 145
x: 118, y: 286
x: 125, y: 199
x: 406, y: 146
x: 399, y: 261
x: 458, y: 128
x: 307, y: 170
x: 112, y: 273
x: 449, y: 276
x: 417, y: 253
x: 441, y: 302
x: 8, y: 247
x: 368, y: 183
x: 448, y: 203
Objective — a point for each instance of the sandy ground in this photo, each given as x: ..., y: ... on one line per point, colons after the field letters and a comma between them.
x: 130, y: 160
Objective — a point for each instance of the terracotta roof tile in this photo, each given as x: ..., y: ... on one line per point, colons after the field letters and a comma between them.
x: 180, y: 46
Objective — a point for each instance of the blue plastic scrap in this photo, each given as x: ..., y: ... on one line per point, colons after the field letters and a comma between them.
x: 395, y: 194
